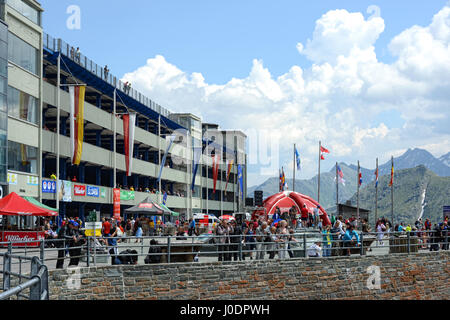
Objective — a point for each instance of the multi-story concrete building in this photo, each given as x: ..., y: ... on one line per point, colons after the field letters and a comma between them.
x: 21, y: 95
x: 32, y: 74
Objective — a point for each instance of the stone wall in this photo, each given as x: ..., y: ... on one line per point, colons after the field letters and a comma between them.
x: 402, y: 276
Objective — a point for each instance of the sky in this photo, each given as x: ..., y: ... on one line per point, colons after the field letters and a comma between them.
x: 367, y: 78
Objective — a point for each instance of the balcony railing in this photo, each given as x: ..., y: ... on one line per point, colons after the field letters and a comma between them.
x: 58, y: 45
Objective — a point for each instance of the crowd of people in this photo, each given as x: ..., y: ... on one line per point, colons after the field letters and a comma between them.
x: 175, y: 193
x: 238, y: 239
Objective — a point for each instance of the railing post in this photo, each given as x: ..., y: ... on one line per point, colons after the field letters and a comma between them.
x: 168, y: 249
x: 95, y: 250
x: 88, y: 254
x: 240, y: 248
x: 35, y: 290
x: 42, y: 250
x: 7, y: 269
x: 362, y: 244
x: 409, y: 242
x: 304, y: 245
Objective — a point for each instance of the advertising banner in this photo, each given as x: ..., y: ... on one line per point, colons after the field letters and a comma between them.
x: 93, y: 192
x: 12, y: 178
x: 65, y: 191
x: 48, y: 186
x: 127, y: 195
x: 32, y: 181
x: 79, y: 191
x: 116, y: 203
x: 19, y: 236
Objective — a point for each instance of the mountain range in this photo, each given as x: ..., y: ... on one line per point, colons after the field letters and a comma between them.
x: 418, y: 192
x: 411, y: 159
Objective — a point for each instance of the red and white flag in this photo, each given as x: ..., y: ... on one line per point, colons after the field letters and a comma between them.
x: 129, y: 124
x: 322, y: 151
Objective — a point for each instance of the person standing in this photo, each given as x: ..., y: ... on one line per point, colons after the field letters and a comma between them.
x: 235, y: 239
x: 380, y: 228
x: 316, y: 216
x: 223, y: 233
x: 261, y: 234
x: 74, y: 243
x: 283, y: 238
x: 326, y: 241
x: 304, y: 215
x: 61, y: 243
x: 277, y: 215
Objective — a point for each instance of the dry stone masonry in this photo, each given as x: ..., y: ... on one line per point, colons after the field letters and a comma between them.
x: 399, y: 276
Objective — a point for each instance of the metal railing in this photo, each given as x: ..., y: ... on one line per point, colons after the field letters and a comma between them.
x: 58, y: 45
x: 36, y: 278
x: 98, y: 251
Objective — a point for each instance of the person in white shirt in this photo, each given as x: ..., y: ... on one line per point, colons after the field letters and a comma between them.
x: 315, y: 251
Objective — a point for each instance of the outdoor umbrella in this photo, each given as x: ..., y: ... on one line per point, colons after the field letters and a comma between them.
x: 15, y: 205
x: 148, y: 207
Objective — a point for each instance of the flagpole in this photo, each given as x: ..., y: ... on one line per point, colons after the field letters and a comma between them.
x: 58, y: 125
x: 115, y: 138
x: 318, y: 183
x: 392, y: 193
x: 376, y: 196
x: 337, y: 188
x: 357, y: 206
x: 159, y: 156
x: 293, y: 183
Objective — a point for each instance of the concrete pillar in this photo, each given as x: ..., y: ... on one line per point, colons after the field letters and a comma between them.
x: 98, y: 138
x: 99, y: 101
x: 81, y: 172
x: 98, y: 176
x: 81, y: 213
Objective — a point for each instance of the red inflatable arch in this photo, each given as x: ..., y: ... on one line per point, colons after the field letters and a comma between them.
x: 288, y: 199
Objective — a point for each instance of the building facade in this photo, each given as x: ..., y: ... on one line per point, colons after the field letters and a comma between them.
x: 38, y: 72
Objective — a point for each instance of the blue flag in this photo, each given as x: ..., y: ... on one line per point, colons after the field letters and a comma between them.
x: 163, y: 162
x: 297, y: 158
x: 165, y: 198
x: 241, y: 181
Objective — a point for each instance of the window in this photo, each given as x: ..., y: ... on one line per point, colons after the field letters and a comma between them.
x: 22, y: 54
x: 22, y: 106
x: 22, y: 158
x: 26, y: 10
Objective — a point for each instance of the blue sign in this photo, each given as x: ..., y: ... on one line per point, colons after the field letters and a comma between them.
x: 48, y: 186
x: 93, y: 192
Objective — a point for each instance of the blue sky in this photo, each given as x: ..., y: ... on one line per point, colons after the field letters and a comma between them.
x: 216, y: 38
x: 366, y: 86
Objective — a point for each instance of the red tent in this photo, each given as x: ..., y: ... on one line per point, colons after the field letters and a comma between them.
x: 14, y: 205
x: 288, y: 199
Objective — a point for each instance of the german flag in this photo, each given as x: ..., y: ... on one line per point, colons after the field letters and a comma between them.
x: 392, y: 175
x: 77, y: 94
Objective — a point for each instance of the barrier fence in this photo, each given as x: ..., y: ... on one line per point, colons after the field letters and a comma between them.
x: 97, y: 251
x: 31, y: 284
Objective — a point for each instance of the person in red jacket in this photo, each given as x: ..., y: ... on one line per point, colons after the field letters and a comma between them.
x: 304, y: 212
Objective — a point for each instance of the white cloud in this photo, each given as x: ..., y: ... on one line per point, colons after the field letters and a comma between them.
x: 336, y: 99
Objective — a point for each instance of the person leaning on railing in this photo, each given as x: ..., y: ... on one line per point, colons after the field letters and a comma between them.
x: 349, y: 234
